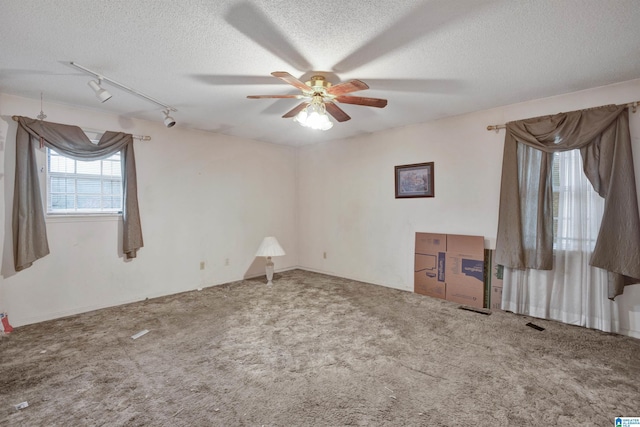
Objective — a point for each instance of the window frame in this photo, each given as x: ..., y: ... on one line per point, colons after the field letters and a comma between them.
x: 63, y: 216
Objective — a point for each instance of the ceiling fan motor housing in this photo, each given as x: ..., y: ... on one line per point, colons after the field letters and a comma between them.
x: 319, y: 84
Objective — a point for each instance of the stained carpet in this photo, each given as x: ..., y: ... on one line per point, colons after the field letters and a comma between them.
x: 313, y: 350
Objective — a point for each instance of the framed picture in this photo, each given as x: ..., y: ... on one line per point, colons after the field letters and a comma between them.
x: 414, y: 180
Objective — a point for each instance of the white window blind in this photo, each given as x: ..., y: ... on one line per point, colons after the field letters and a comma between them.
x: 83, y: 187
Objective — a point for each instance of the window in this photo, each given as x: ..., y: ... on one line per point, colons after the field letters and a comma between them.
x: 83, y: 187
x: 577, y: 208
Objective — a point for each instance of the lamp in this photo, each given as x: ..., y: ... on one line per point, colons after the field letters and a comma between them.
x: 101, y: 94
x: 314, y: 115
x: 268, y: 248
x: 168, y: 120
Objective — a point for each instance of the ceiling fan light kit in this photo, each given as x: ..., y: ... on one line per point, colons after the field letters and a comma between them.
x: 320, y: 98
x: 314, y: 115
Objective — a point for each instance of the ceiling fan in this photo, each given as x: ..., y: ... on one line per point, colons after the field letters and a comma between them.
x: 319, y: 96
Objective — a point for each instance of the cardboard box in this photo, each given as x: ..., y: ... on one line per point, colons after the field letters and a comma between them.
x: 430, y: 243
x: 429, y: 259
x: 465, y: 259
x: 464, y: 270
x: 462, y: 244
x: 496, y: 298
x: 450, y: 266
x: 426, y: 286
x: 494, y: 277
x: 471, y: 295
x: 496, y: 272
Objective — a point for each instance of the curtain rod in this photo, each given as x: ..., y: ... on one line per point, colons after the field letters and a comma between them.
x: 140, y: 137
x: 633, y: 105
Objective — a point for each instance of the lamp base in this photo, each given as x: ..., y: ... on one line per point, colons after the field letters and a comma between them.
x: 269, y: 270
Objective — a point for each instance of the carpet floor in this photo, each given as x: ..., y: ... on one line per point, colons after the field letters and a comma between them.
x: 313, y: 350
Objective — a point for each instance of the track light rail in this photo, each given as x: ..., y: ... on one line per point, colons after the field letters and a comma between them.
x: 122, y: 86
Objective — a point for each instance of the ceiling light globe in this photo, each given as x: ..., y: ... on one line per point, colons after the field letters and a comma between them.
x: 301, y: 117
x: 326, y: 124
x: 314, y: 120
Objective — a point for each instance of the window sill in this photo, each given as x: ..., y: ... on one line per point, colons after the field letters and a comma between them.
x: 98, y: 217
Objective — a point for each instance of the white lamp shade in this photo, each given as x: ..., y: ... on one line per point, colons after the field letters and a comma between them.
x: 270, y: 247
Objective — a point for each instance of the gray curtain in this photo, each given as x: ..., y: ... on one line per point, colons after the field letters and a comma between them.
x: 525, y: 225
x: 29, y: 232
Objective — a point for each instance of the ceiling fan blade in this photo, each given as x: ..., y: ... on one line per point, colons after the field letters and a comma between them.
x: 434, y: 86
x: 347, y: 87
x: 283, y: 75
x: 359, y: 100
x: 336, y: 112
x: 274, y: 96
x: 254, y: 24
x: 424, y: 19
x: 296, y: 110
x: 227, y: 80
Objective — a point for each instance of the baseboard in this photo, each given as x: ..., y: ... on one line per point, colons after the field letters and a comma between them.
x: 630, y: 333
x: 17, y: 321
x: 280, y: 270
x: 357, y: 279
x: 627, y: 332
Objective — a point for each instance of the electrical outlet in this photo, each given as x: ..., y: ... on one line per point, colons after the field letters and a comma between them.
x: 201, y: 265
x: 324, y: 255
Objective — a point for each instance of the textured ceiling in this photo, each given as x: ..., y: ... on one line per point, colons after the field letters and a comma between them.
x: 430, y: 59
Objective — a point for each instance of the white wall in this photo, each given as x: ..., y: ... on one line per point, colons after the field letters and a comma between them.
x: 203, y: 198
x: 207, y: 197
x: 346, y: 201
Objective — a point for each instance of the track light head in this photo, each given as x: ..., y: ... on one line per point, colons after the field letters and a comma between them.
x: 101, y: 94
x: 168, y: 120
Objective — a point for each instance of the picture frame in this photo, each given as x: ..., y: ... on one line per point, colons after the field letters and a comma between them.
x: 415, y: 180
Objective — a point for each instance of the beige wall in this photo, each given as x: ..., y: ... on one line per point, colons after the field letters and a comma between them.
x: 347, y: 207
x: 207, y: 197
x: 203, y: 197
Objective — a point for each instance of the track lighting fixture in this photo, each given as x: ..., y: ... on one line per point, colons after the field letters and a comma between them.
x: 101, y: 94
x: 168, y: 120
